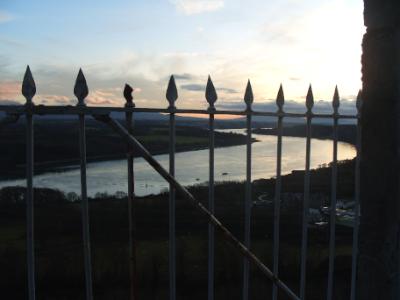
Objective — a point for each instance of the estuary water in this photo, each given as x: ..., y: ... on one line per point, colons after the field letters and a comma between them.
x: 192, y: 166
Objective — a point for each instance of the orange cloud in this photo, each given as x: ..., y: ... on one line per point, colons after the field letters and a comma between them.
x: 10, y: 90
x: 55, y: 99
x: 110, y: 96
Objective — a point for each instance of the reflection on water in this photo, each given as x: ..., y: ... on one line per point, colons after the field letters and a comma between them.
x: 192, y: 167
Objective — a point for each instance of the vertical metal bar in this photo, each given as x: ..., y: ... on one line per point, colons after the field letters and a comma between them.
x: 356, y: 206
x: 247, y: 211
x: 131, y: 213
x: 85, y: 209
x: 248, y: 99
x: 172, y: 207
x: 29, y: 206
x: 304, y: 239
x: 332, y: 230
x: 306, y: 201
x: 131, y: 196
x: 29, y: 90
x: 81, y: 90
x: 211, y: 97
x: 277, y: 206
x: 211, y: 208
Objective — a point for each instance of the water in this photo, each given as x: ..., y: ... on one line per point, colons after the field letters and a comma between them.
x: 192, y: 167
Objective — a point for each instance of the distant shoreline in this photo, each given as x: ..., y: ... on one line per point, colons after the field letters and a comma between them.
x: 346, y: 133
x: 73, y: 164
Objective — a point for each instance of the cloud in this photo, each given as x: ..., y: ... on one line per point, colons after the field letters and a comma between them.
x: 56, y: 99
x: 109, y: 96
x: 191, y: 7
x: 227, y: 90
x: 9, y: 102
x: 5, y: 17
x: 10, y: 89
x: 185, y: 76
x: 194, y: 87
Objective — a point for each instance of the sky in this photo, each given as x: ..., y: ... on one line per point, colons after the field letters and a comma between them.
x: 293, y: 42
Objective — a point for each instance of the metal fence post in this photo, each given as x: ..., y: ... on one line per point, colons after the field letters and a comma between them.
x: 304, y: 239
x: 131, y: 196
x: 172, y: 96
x: 248, y: 99
x: 29, y: 90
x: 81, y: 91
x: 280, y: 100
x: 332, y: 221
x: 211, y: 96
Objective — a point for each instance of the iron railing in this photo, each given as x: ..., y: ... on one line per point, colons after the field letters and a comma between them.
x: 103, y: 114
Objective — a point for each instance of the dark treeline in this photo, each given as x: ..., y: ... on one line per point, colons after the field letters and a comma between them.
x: 346, y: 133
x: 59, y: 243
x: 56, y: 143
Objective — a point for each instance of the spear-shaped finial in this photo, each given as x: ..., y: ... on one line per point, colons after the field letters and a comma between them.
x: 280, y: 98
x: 359, y: 101
x: 81, y: 89
x: 128, y: 96
x: 172, y: 92
x: 248, y: 95
x: 309, y: 99
x: 28, y: 86
x: 336, y: 100
x: 211, y: 93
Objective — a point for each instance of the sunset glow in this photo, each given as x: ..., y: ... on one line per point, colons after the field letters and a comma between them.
x: 143, y: 42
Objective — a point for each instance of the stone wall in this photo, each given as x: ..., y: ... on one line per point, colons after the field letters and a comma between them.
x: 378, y: 276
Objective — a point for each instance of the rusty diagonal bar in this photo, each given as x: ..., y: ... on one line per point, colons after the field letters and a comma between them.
x: 211, y: 218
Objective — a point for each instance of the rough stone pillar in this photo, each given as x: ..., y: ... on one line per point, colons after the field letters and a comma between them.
x: 378, y: 275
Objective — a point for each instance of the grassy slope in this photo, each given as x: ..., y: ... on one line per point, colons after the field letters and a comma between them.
x: 56, y: 143
x: 59, y: 244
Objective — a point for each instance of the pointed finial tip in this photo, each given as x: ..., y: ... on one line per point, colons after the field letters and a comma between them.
x: 336, y: 99
x: 211, y: 93
x: 28, y: 85
x: 280, y: 98
x: 81, y: 89
x: 128, y: 94
x: 309, y: 98
x: 172, y: 92
x: 248, y: 95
